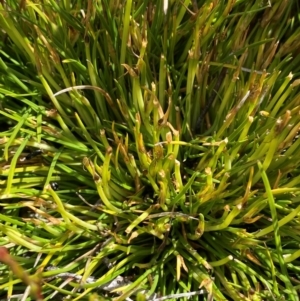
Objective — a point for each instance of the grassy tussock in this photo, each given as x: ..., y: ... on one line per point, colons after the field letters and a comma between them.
x: 150, y: 149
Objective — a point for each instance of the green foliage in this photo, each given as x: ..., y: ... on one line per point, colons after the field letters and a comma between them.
x: 150, y: 149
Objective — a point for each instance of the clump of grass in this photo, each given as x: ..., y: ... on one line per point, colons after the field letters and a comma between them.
x: 150, y: 149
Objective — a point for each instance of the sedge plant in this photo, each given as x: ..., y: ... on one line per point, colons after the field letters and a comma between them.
x: 149, y: 150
